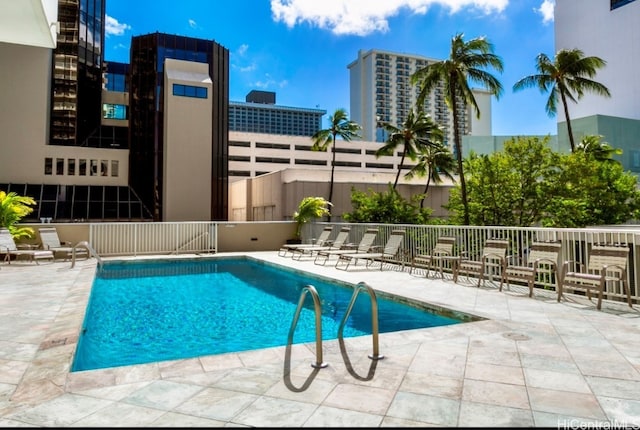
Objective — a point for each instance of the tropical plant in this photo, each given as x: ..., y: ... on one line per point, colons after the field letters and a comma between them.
x: 13, y: 208
x: 602, y: 151
x: 434, y: 162
x: 339, y: 126
x: 308, y: 209
x: 464, y: 66
x: 386, y: 207
x: 418, y: 132
x: 508, y: 187
x: 566, y: 77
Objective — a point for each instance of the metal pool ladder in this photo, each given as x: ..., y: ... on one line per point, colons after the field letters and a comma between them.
x: 374, y: 317
x: 318, y: 311
x: 90, y: 250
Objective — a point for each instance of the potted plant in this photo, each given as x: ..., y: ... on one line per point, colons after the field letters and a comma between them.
x: 308, y: 209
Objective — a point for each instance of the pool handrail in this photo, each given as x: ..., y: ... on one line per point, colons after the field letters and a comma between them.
x: 318, y: 312
x: 374, y: 317
x: 90, y: 250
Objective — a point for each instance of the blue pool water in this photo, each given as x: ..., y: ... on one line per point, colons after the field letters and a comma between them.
x: 141, y: 312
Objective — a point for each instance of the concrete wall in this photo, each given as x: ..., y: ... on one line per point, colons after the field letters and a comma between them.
x: 614, y: 36
x: 187, y: 144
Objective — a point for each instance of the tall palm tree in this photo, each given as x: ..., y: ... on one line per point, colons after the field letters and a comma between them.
x: 567, y: 77
x: 339, y: 126
x: 465, y: 65
x: 418, y: 132
x: 434, y: 162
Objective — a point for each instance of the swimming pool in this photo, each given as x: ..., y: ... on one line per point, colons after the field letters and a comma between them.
x: 155, y: 310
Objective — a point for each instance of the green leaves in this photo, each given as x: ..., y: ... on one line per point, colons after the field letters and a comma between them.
x: 308, y: 209
x: 12, y: 209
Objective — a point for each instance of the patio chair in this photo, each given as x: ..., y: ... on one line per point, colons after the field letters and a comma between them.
x: 442, y: 249
x: 493, y: 258
x: 387, y: 253
x: 321, y: 240
x: 607, y: 263
x: 51, y: 241
x: 542, y: 261
x: 337, y: 243
x: 8, y: 247
x: 366, y: 243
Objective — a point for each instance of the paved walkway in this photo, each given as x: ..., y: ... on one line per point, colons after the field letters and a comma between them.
x: 531, y: 362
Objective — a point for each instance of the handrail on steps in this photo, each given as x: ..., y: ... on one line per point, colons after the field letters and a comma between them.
x: 318, y: 311
x: 374, y: 317
x: 90, y: 250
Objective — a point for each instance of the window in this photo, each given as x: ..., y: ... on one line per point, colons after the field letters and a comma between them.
x: 619, y: 3
x: 94, y: 168
x: 112, y: 111
x: 114, y: 168
x: 71, y: 166
x: 82, y: 167
x: 59, y: 166
x: 189, y: 91
x: 104, y: 165
x: 48, y: 166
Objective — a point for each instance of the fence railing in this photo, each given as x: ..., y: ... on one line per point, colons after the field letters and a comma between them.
x: 113, y: 239
x: 576, y: 243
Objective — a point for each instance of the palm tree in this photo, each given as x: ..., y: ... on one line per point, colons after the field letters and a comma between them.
x: 418, y: 132
x: 601, y: 151
x: 435, y: 162
x: 566, y: 78
x: 340, y: 126
x: 464, y: 66
x: 308, y: 209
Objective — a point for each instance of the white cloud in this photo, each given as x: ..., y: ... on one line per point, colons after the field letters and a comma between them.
x: 362, y: 17
x: 242, y: 49
x: 192, y: 23
x: 269, y: 82
x: 546, y: 9
x: 113, y: 27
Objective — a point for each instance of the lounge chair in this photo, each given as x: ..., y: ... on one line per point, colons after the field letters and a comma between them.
x: 321, y: 240
x: 387, y: 253
x: 337, y: 243
x: 607, y: 263
x: 51, y: 241
x: 8, y: 247
x: 365, y: 245
x: 493, y: 257
x: 442, y: 250
x: 541, y: 261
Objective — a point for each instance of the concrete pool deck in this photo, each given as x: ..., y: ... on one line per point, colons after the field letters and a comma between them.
x: 531, y: 362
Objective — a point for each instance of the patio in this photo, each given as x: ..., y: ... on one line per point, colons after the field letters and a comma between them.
x: 532, y: 362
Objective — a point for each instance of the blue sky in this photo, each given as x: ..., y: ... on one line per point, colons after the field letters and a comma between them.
x: 300, y: 49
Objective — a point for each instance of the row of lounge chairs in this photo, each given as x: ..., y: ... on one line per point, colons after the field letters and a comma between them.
x: 605, y: 263
x: 346, y: 254
x: 50, y: 247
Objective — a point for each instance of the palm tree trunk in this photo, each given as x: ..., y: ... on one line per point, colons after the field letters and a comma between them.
x: 426, y: 189
x: 404, y: 151
x: 457, y: 139
x: 566, y: 115
x: 333, y: 166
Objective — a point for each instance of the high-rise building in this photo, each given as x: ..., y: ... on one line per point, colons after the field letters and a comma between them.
x: 260, y: 114
x: 381, y: 91
x: 609, y: 30
x: 178, y: 116
x: 77, y: 74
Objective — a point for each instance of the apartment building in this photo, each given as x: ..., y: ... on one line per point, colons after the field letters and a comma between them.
x: 381, y: 91
x: 259, y: 113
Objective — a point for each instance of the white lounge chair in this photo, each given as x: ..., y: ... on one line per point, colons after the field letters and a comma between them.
x: 388, y: 253
x: 8, y: 247
x: 337, y: 243
x: 51, y: 241
x: 321, y: 240
x: 365, y: 245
